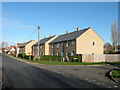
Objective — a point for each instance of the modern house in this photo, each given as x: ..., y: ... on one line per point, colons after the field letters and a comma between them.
x: 85, y: 41
x: 44, y: 46
x: 12, y: 50
x: 27, y: 47
x: 18, y: 47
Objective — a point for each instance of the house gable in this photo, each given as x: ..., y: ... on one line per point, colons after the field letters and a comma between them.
x: 84, y: 43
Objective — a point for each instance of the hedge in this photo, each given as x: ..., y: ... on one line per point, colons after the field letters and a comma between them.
x: 50, y: 58
x: 26, y: 56
x: 78, y: 58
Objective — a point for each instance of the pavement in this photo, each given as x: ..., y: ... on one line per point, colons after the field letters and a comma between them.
x: 31, y: 75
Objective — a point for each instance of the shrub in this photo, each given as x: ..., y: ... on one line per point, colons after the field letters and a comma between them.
x: 20, y: 55
x: 23, y: 55
x: 50, y: 58
x: 26, y: 56
x: 71, y: 58
x: 31, y: 57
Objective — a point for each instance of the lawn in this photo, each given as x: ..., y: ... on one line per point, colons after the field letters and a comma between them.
x: 59, y: 62
x: 116, y: 74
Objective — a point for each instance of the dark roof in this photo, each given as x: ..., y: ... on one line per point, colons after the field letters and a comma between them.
x: 25, y: 44
x: 43, y: 41
x: 69, y: 36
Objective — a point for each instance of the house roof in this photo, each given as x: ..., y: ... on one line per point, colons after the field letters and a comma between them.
x: 19, y: 44
x: 26, y: 44
x: 43, y: 41
x: 69, y: 36
x: 6, y: 48
x: 11, y: 48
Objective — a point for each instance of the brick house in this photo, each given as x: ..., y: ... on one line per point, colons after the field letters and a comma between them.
x: 44, y: 46
x: 85, y: 41
x: 27, y: 47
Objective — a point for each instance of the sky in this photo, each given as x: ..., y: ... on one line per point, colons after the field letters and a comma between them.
x: 20, y: 20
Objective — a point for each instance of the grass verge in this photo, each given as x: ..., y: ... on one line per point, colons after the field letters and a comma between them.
x: 116, y: 75
x: 60, y: 63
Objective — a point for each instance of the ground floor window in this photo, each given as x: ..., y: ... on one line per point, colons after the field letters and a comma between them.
x: 67, y: 54
x: 72, y: 53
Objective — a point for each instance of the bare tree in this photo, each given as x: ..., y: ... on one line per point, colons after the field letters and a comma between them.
x: 4, y: 44
x: 114, y: 34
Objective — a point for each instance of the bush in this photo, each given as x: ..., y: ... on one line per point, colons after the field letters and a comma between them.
x: 31, y: 57
x: 50, y: 58
x: 26, y: 57
x: 23, y: 55
x: 20, y: 55
x: 71, y: 58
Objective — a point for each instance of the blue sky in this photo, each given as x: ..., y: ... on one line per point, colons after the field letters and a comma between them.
x: 20, y: 19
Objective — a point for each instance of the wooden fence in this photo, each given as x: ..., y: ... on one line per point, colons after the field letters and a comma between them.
x: 100, y: 57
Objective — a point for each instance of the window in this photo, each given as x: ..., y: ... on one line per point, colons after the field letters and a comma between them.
x: 62, y: 43
x: 93, y: 43
x: 52, y: 46
x: 58, y: 54
x: 67, y: 45
x: 58, y: 45
x: 72, y: 53
x: 62, y: 54
x: 72, y: 43
x: 66, y: 54
x: 41, y: 47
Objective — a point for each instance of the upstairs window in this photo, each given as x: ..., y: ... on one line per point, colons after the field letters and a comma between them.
x: 58, y: 45
x: 41, y: 47
x: 72, y: 42
x: 67, y: 45
x: 52, y: 46
x: 62, y: 43
x: 93, y: 43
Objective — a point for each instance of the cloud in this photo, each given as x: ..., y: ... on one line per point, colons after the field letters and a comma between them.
x: 15, y: 23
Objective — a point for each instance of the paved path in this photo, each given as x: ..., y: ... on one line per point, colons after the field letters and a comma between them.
x: 23, y: 75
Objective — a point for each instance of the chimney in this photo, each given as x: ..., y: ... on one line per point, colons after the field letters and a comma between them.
x: 44, y: 37
x: 67, y: 31
x: 77, y: 28
x: 50, y: 35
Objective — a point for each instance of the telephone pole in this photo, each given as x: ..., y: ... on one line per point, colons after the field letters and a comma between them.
x: 38, y: 43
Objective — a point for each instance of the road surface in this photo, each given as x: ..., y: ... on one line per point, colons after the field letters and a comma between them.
x: 23, y: 75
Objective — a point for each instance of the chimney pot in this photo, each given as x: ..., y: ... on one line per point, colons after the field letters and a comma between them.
x: 67, y: 31
x: 50, y: 35
x: 44, y: 37
x: 77, y: 28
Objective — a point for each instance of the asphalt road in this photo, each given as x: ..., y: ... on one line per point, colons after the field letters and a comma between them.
x: 23, y: 75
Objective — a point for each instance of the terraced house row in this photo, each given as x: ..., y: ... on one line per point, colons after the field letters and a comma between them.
x: 85, y: 41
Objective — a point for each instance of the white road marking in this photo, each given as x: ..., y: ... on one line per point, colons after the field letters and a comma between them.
x: 86, y: 78
x: 115, y: 86
x: 98, y: 83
